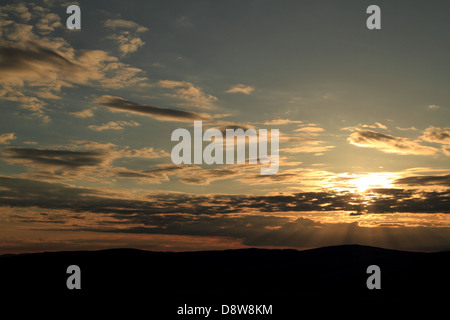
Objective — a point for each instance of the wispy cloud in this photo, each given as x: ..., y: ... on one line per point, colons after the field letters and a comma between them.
x: 406, y: 129
x: 7, y: 137
x: 186, y: 91
x: 309, y: 129
x: 437, y: 135
x: 279, y: 122
x: 60, y: 158
x: 372, y: 126
x: 85, y: 160
x: 307, y: 149
x: 425, y: 180
x: 388, y: 143
x: 241, y: 88
x: 115, y: 125
x: 183, y: 22
x: 158, y: 113
x: 87, y: 113
x: 126, y: 24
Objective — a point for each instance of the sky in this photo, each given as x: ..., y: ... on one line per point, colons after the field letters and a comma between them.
x: 87, y: 117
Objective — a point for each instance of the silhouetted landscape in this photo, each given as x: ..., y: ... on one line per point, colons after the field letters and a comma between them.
x: 278, y: 277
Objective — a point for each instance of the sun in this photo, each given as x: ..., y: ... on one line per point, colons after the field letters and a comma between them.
x: 370, y: 181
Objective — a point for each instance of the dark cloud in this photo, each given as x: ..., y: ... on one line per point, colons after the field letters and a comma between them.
x: 205, y: 176
x: 43, y: 71
x: 441, y: 180
x: 388, y: 143
x: 63, y: 158
x: 254, y: 220
x: 33, y: 58
x: 163, y: 114
x: 150, y: 176
x: 186, y: 174
x: 38, y: 65
x: 234, y: 127
x: 17, y: 192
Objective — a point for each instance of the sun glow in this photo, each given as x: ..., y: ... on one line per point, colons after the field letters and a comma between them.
x: 370, y: 181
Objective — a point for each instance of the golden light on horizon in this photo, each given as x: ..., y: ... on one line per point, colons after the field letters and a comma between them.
x: 371, y: 180
x: 361, y: 182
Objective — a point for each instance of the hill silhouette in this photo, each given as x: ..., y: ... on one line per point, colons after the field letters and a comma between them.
x: 286, y: 278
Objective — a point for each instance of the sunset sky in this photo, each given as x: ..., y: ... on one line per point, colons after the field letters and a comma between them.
x: 87, y: 117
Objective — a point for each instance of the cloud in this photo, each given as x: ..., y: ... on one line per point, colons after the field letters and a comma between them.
x: 433, y: 107
x: 32, y: 62
x: 278, y: 122
x: 18, y: 10
x: 278, y: 219
x: 328, y: 96
x: 85, y: 160
x: 196, y: 175
x: 7, y: 137
x: 388, y: 143
x: 87, y: 113
x: 377, y: 125
x: 35, y: 105
x: 35, y: 63
x: 183, y: 22
x: 158, y: 113
x: 125, y: 24
x: 107, y: 71
x: 187, y: 174
x: 284, y: 138
x: 433, y: 180
x: 59, y: 158
x: 115, y: 125
x: 156, y: 175
x: 48, y: 22
x: 144, y: 153
x: 46, y: 94
x: 233, y: 126
x: 446, y: 150
x: 35, y: 66
x: 206, y: 176
x: 19, y: 192
x: 128, y: 43
x: 241, y: 88
x: 307, y: 149
x: 308, y: 179
x: 186, y: 91
x: 373, y: 126
x: 405, y: 129
x: 309, y: 129
x: 128, y: 39
x: 436, y: 134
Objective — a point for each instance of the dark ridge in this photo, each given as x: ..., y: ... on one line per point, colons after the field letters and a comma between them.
x: 279, y: 277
